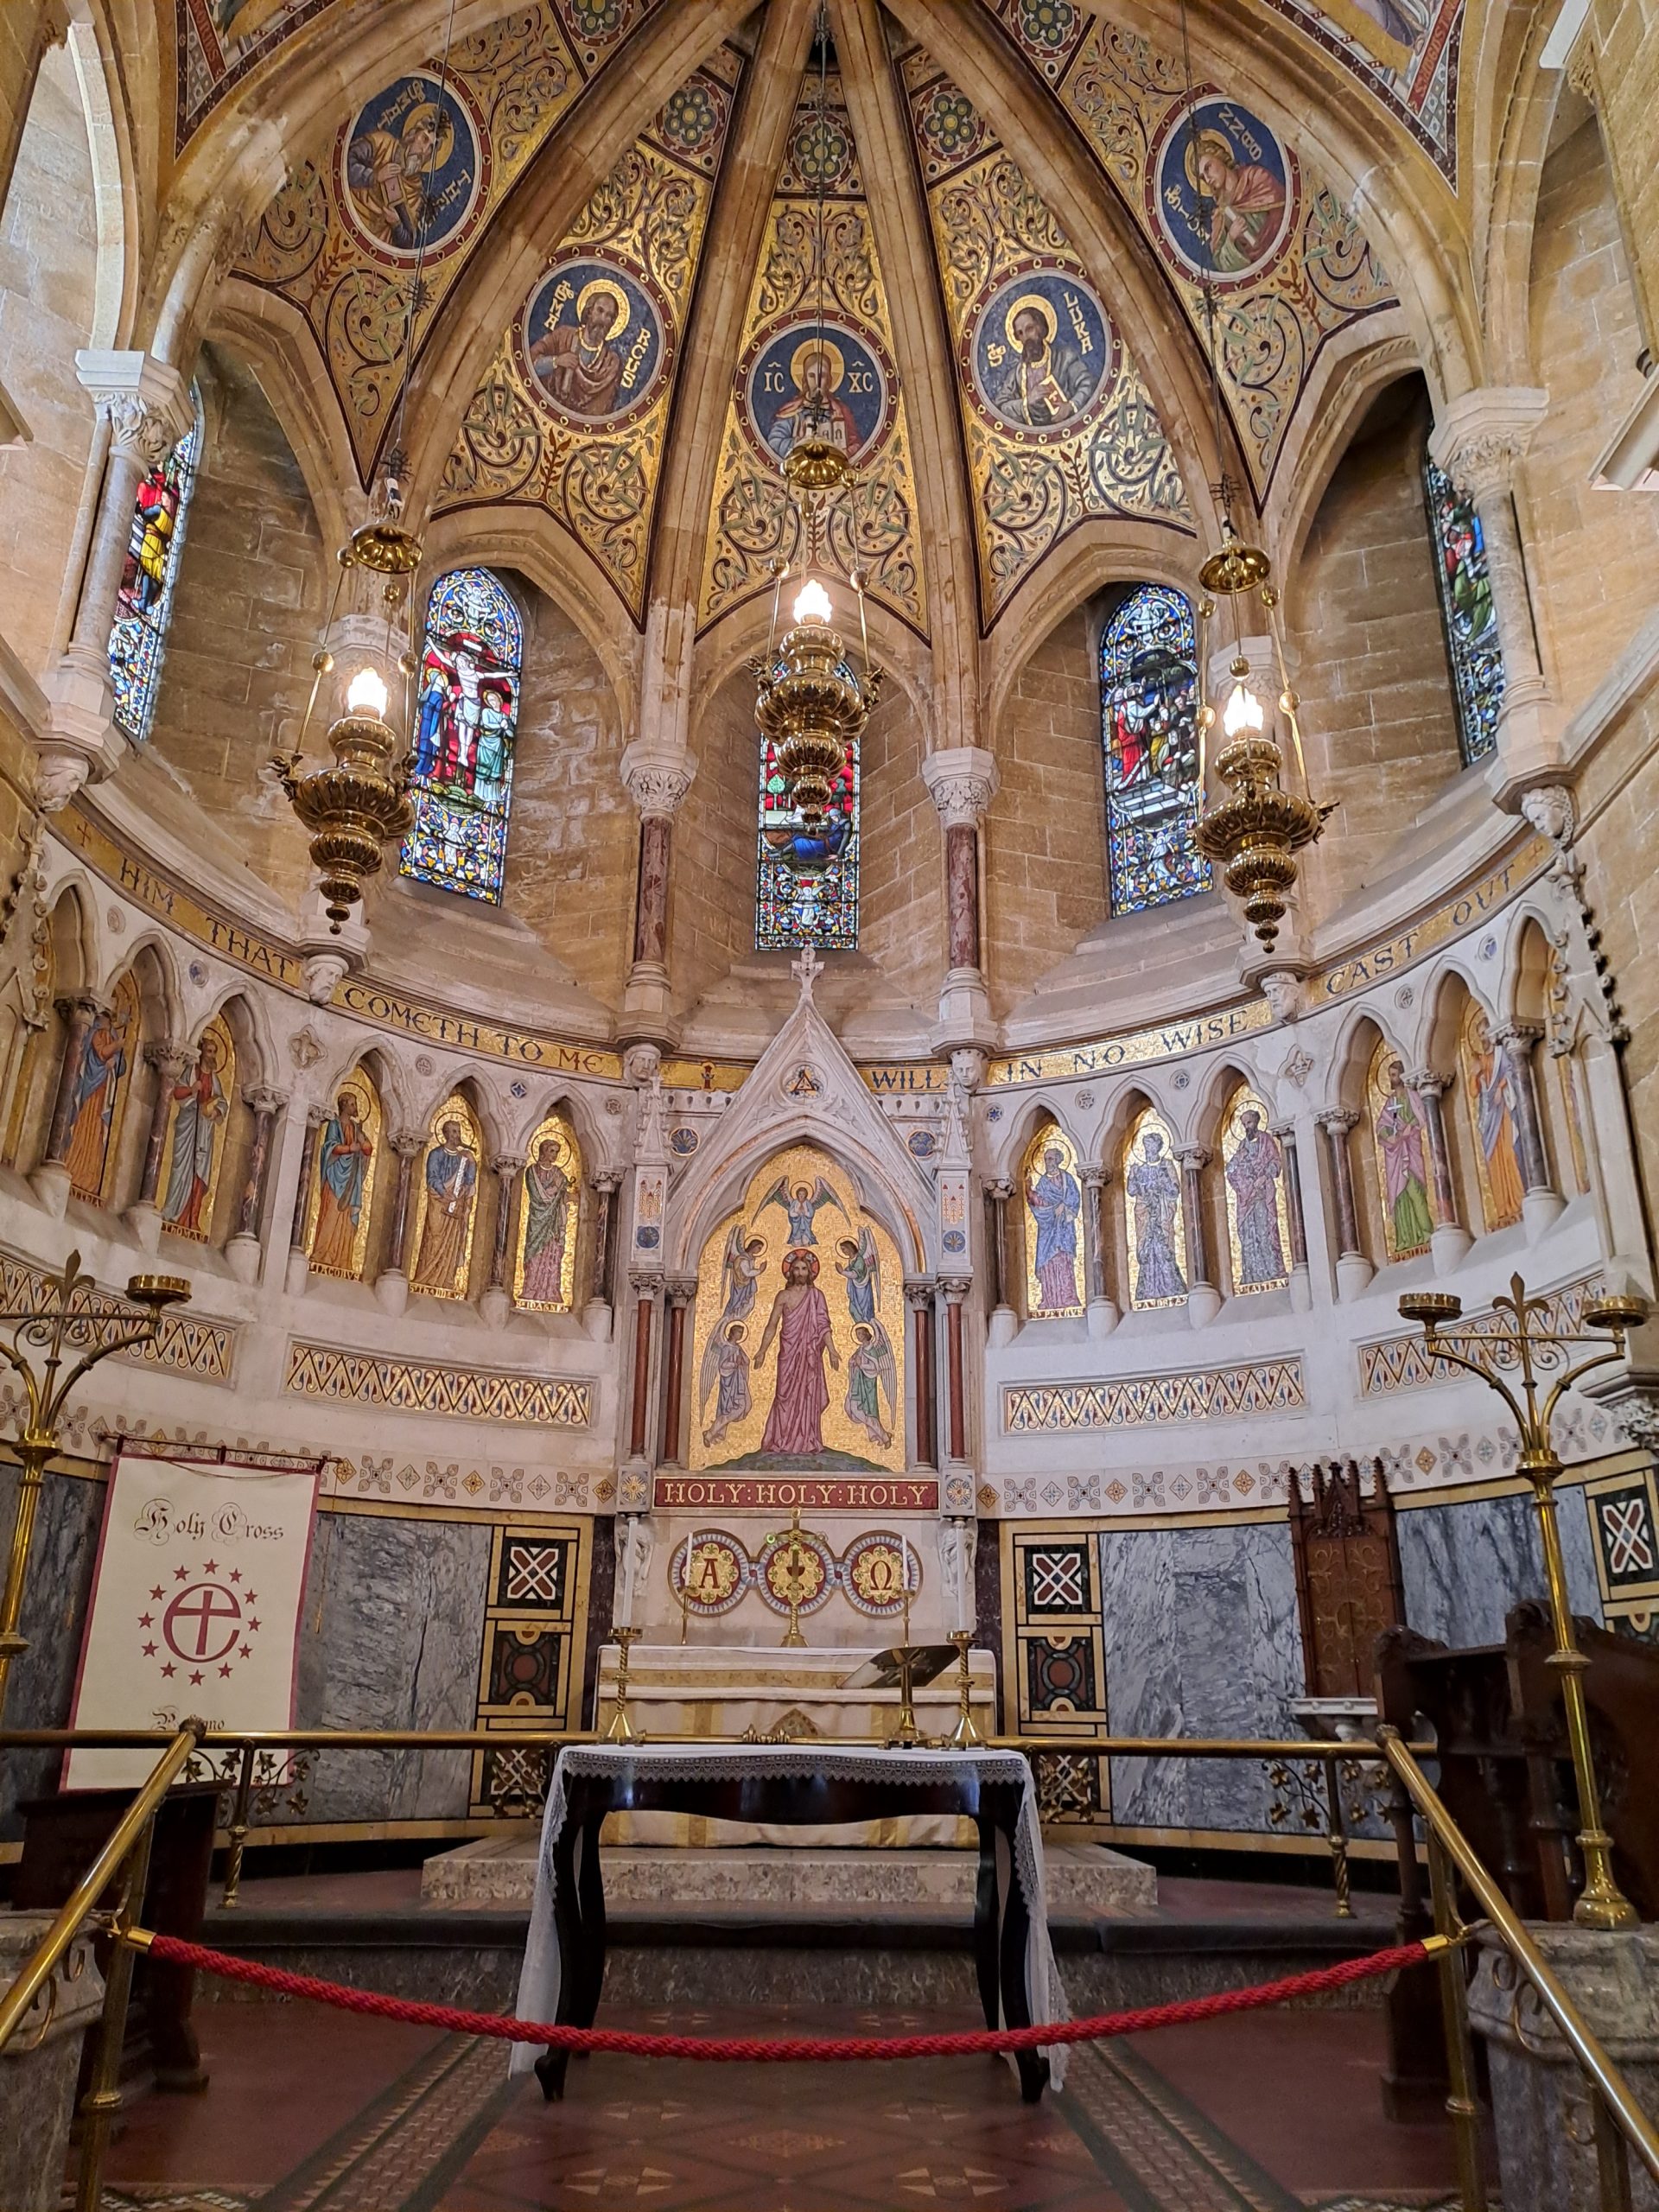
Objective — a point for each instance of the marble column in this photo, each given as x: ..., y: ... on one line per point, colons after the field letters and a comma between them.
x: 1301, y: 1289
x: 1479, y: 439
x: 919, y: 1296
x: 658, y: 780
x: 1448, y: 1240
x: 1004, y: 1318
x: 51, y: 1179
x: 596, y: 1310
x: 496, y: 1303
x: 644, y: 1287
x: 1102, y: 1310
x: 298, y: 1265
x: 1354, y: 1271
x: 391, y: 1284
x: 682, y: 1292
x: 955, y: 1289
x: 1541, y: 1201
x: 1203, y: 1299
x: 144, y: 408
x: 169, y: 1060
x: 243, y: 1247
x: 962, y: 781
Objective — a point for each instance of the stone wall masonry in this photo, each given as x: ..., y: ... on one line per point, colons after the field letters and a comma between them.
x: 901, y: 919
x: 1623, y: 34
x: 1593, y: 554
x: 711, y: 894
x: 49, y: 266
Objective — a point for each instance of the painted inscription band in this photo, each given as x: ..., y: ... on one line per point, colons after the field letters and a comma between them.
x: 770, y: 1494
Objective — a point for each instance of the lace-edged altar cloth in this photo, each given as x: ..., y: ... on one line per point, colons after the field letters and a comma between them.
x: 538, y: 1982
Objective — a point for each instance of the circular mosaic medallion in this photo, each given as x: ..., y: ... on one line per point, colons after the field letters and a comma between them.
x: 719, y: 1571
x: 1222, y: 192
x: 413, y: 169
x: 874, y: 1569
x: 683, y: 1141
x: 922, y: 1143
x: 1040, y: 352
x: 839, y: 369
x: 799, y: 1570
x: 595, y: 342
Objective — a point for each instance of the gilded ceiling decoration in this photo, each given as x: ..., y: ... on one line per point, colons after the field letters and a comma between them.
x: 1404, y: 52
x: 1219, y: 193
x: 782, y: 357
x: 411, y: 177
x: 573, y: 412
x: 1057, y: 423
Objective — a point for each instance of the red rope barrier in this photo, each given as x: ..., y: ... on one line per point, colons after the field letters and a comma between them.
x: 787, y: 2049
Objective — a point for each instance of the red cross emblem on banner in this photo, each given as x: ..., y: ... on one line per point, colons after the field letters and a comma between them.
x: 203, y: 1625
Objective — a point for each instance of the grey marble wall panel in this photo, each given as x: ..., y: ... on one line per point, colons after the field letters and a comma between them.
x: 1463, y: 1567
x: 390, y: 1638
x: 54, y: 1610
x: 1201, y: 1639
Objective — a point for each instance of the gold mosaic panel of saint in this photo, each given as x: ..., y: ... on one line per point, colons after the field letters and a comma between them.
x: 1058, y: 423
x: 1155, y: 1213
x: 1393, y: 1114
x: 1258, y: 1214
x: 99, y: 1092
x: 545, y: 1248
x: 1489, y: 1081
x: 192, y: 1150
x: 815, y: 350
x: 1051, y: 1196
x: 571, y: 415
x: 349, y: 1145
x: 446, y: 1205
x: 798, y: 1348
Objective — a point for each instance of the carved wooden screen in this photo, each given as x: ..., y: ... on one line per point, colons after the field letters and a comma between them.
x: 1347, y: 1575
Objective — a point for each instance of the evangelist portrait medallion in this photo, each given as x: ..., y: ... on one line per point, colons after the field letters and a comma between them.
x: 595, y: 342
x: 1040, y: 352
x: 833, y: 380
x: 413, y: 169
x: 1222, y: 192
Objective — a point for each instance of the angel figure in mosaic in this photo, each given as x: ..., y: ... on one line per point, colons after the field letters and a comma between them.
x: 872, y: 1383
x: 803, y: 1205
x: 859, y: 1266
x: 726, y: 1374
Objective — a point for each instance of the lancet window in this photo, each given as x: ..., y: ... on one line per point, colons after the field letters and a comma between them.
x: 806, y: 881
x: 1466, y: 610
x: 466, y: 726
x: 149, y: 576
x: 1148, y: 700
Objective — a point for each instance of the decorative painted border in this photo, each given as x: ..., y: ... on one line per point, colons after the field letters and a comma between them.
x: 187, y: 1344
x: 1268, y: 1385
x: 429, y: 1386
x: 1390, y: 1364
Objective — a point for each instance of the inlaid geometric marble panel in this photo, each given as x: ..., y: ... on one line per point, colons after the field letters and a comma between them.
x: 1059, y: 425
x: 530, y: 1668
x: 572, y: 413
x: 1217, y: 193
x: 1054, y: 1660
x: 428, y: 1386
x: 1624, y: 1542
x: 1139, y: 1401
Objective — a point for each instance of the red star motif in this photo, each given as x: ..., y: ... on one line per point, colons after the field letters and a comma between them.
x: 158, y: 1592
x: 253, y: 1598
x: 195, y: 1678
x: 169, y: 1668
x: 254, y: 1626
x: 236, y: 1574
x: 225, y: 1671
x: 247, y: 1651
x: 149, y: 1651
x: 146, y: 1620
x: 180, y: 1574
x: 211, y: 1566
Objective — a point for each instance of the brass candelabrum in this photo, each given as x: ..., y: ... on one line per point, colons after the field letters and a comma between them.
x: 1520, y: 1344
x: 72, y: 1322
x: 965, y: 1736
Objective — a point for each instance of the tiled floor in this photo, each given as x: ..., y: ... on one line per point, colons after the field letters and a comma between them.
x: 317, y: 2112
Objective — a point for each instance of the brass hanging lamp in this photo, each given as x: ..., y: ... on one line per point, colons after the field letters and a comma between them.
x: 812, y: 701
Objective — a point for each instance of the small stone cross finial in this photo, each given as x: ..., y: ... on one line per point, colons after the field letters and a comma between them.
x: 806, y: 968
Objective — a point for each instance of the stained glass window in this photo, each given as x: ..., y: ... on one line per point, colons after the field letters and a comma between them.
x: 466, y: 720
x: 1467, y: 611
x: 149, y: 576
x: 806, y: 882
x: 1148, y: 703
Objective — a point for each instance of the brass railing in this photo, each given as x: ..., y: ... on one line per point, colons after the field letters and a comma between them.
x: 1620, y: 2125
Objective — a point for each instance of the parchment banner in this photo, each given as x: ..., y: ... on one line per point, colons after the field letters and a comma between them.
x: 195, y: 1605
x: 771, y: 1493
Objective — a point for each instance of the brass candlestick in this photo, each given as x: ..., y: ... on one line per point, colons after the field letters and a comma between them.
x: 622, y: 1729
x: 794, y: 1574
x: 965, y: 1737
x: 1529, y: 1348
x: 906, y: 1735
x: 74, y: 1319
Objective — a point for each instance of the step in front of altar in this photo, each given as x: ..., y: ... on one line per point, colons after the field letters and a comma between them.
x: 1085, y: 1881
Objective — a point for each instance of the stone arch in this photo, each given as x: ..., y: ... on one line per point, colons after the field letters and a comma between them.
x: 695, y: 1210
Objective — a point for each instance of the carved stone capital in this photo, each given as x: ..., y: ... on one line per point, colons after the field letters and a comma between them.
x: 1429, y: 1084
x: 145, y: 401
x: 1518, y: 1037
x: 262, y: 1100
x: 1000, y: 1191
x: 607, y: 1183
x: 955, y: 1287
x: 508, y: 1165
x: 1339, y: 1119
x: 919, y: 1290
x: 1094, y: 1178
x: 963, y: 780
x: 645, y: 1282
x: 1480, y: 435
x: 168, y: 1057
x: 407, y: 1142
x: 682, y: 1289
x: 657, y: 779
x: 1193, y: 1155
